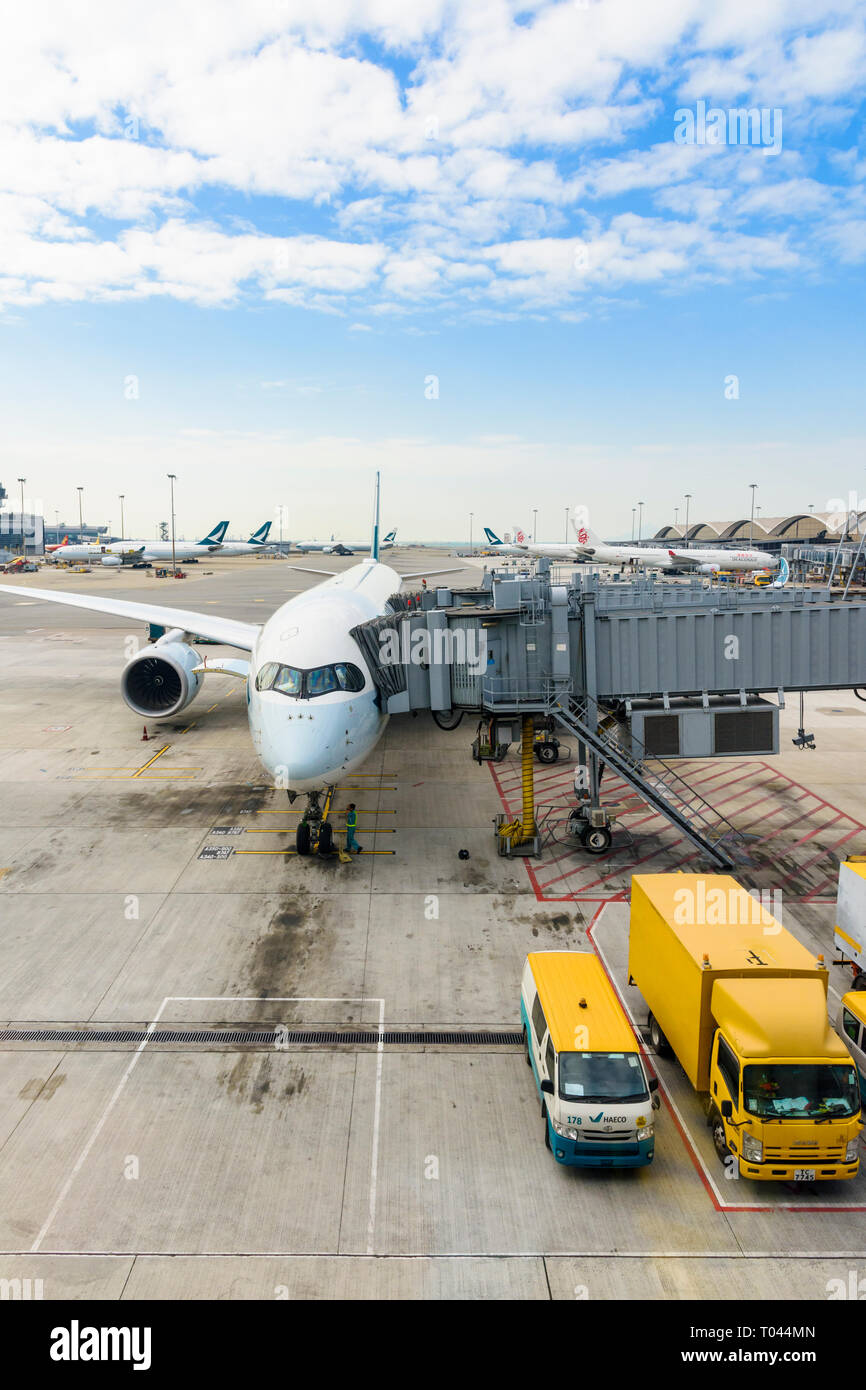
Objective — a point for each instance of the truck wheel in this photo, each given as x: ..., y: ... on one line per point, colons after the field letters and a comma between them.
x: 859, y: 981
x: 596, y: 839
x: 720, y: 1143
x: 657, y: 1038
x: 547, y: 1143
x: 302, y: 837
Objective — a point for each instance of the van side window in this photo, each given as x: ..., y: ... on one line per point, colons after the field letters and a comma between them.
x: 851, y: 1025
x: 539, y: 1022
x: 730, y: 1069
x: 550, y: 1059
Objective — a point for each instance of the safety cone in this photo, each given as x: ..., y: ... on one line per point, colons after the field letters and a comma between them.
x: 145, y: 738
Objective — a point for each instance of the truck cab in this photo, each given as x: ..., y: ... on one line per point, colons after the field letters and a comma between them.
x: 851, y: 1027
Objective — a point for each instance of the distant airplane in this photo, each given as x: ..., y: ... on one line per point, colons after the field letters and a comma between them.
x: 314, y: 711
x: 703, y: 560
x: 334, y: 547
x: 120, y: 552
x: 516, y: 547
x: 257, y: 541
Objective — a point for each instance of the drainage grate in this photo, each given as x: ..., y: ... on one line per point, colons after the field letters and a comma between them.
x: 234, y: 1037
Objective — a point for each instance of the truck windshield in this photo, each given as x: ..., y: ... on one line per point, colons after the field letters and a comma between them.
x: 801, y: 1091
x: 599, y: 1076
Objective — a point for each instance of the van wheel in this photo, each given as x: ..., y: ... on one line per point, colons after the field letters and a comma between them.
x: 547, y: 1143
x: 659, y: 1042
x: 526, y: 1045
x: 720, y: 1143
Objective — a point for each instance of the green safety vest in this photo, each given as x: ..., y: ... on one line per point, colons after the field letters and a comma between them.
x: 351, y: 820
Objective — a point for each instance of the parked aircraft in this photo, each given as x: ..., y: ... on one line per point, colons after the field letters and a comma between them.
x: 257, y: 541
x: 126, y: 552
x: 314, y: 711
x: 335, y: 547
x: 703, y: 560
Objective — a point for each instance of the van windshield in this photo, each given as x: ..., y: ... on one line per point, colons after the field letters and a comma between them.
x: 601, y: 1076
x: 801, y: 1091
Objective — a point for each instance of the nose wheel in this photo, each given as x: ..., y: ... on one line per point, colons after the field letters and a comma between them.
x: 315, y: 834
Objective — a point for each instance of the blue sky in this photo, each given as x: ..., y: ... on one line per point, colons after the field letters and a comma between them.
x: 237, y: 246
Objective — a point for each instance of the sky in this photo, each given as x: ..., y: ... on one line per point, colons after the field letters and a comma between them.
x: 517, y: 256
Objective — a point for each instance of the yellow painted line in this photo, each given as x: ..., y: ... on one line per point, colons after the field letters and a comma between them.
x: 266, y: 851
x: 290, y: 830
x: 368, y: 788
x: 152, y: 760
x: 4, y: 872
x: 851, y: 942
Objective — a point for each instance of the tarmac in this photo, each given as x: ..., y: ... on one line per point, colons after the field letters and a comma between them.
x: 151, y: 886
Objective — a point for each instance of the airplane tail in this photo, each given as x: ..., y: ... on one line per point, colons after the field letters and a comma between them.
x: 583, y: 532
x: 260, y: 537
x: 784, y: 574
x: 492, y: 537
x: 374, y: 542
x: 391, y: 537
x: 520, y: 536
x: 217, y: 535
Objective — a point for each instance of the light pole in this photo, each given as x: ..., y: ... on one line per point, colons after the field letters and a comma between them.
x: 676, y: 518
x: 567, y: 510
x: 633, y: 513
x: 752, y: 517
x: 56, y: 526
x: 22, y: 481
x: 535, y: 524
x: 80, y: 516
x: 639, y: 521
x: 122, y: 531
x: 281, y: 527
x: 471, y: 519
x: 172, y: 477
x: 688, y: 500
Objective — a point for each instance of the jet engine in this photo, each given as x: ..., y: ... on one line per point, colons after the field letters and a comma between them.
x: 160, y: 680
x: 709, y: 569
x: 112, y: 560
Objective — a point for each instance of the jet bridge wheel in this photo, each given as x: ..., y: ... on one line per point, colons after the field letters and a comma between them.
x: 303, y: 837
x: 596, y: 839
x: 547, y: 752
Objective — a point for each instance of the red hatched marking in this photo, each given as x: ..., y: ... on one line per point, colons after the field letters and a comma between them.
x: 764, y: 799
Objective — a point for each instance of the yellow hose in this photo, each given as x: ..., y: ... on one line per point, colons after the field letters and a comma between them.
x: 519, y: 831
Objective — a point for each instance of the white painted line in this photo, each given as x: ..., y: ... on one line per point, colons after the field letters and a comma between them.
x: 374, y: 1159
x: 82, y: 1157
x: 234, y: 999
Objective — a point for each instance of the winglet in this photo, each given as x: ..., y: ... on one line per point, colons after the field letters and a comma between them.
x: 374, y: 543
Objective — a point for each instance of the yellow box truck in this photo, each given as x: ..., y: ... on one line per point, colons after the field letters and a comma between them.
x: 849, y: 932
x: 743, y: 1006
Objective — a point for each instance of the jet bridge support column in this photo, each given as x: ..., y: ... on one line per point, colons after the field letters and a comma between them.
x: 522, y: 835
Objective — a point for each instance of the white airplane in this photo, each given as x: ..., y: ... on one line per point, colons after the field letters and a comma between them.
x: 334, y: 547
x: 258, y: 541
x: 519, y: 545
x: 119, y: 552
x: 314, y: 711
x: 701, y: 560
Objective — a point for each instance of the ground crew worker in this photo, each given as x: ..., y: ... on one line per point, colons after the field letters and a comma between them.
x: 351, y: 825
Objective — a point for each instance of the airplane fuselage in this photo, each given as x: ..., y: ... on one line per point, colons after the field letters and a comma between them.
x: 308, y: 741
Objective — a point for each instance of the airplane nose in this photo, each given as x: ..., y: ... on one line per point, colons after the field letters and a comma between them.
x: 307, y: 747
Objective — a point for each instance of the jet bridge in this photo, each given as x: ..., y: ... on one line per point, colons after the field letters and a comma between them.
x: 642, y: 671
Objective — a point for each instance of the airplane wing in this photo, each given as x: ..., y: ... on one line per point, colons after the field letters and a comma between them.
x: 429, y: 574
x: 307, y: 570
x: 227, y: 630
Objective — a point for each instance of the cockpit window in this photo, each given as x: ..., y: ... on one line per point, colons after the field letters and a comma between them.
x: 349, y: 676
x: 321, y: 681
x: 288, y: 681
x: 265, y: 678
x: 306, y: 685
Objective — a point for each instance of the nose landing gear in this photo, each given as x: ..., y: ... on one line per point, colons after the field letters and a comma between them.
x: 315, y: 834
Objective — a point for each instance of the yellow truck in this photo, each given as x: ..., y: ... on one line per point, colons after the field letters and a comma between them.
x: 743, y: 1006
x: 849, y: 932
